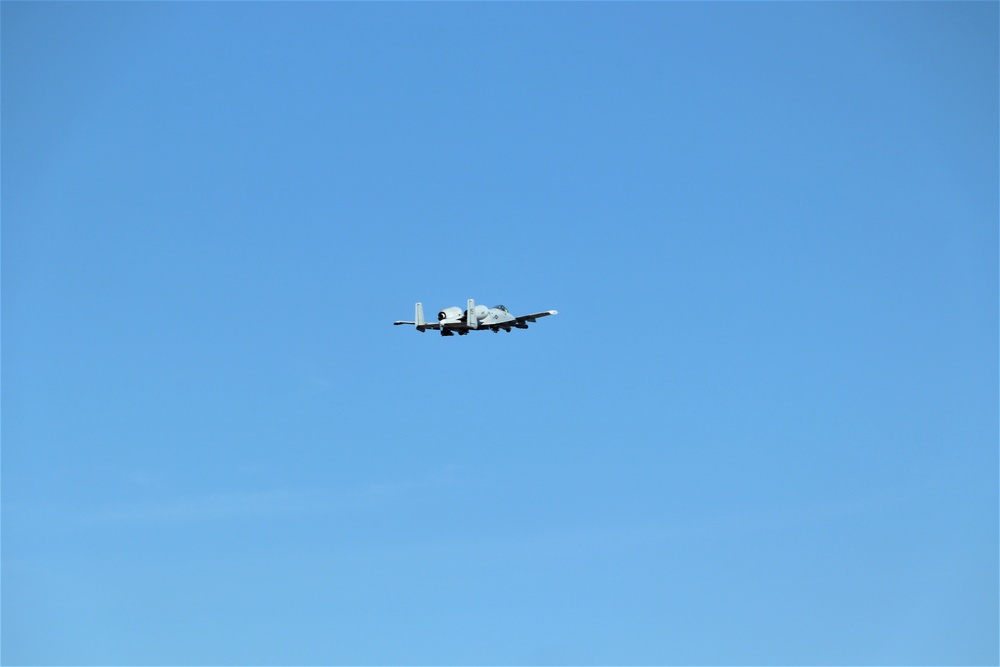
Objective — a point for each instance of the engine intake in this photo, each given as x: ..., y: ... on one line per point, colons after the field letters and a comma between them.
x: 452, y: 313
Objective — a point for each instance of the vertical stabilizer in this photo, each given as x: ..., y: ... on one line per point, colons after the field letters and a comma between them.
x: 470, y: 315
x: 419, y: 315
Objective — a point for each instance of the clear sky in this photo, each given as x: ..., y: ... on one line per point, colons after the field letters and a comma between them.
x: 763, y: 428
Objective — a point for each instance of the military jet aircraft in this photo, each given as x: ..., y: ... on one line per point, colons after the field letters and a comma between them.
x: 453, y: 320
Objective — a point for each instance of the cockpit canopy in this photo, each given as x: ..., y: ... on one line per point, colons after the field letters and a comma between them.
x: 503, y: 308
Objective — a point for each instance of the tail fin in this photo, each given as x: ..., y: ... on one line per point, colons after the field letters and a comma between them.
x: 470, y: 315
x: 419, y: 315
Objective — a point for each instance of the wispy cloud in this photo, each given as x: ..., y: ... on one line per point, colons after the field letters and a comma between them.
x: 215, y: 506
x: 388, y: 489
x: 269, y: 503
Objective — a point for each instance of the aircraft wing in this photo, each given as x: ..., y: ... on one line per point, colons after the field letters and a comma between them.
x: 425, y: 325
x: 446, y: 327
x: 534, y: 316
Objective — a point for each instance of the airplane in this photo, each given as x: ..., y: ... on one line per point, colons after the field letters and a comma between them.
x: 475, y: 318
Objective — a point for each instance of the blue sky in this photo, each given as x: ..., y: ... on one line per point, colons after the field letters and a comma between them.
x: 763, y: 428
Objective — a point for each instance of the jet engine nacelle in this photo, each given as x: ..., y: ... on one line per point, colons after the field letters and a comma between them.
x: 480, y: 312
x: 452, y: 313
